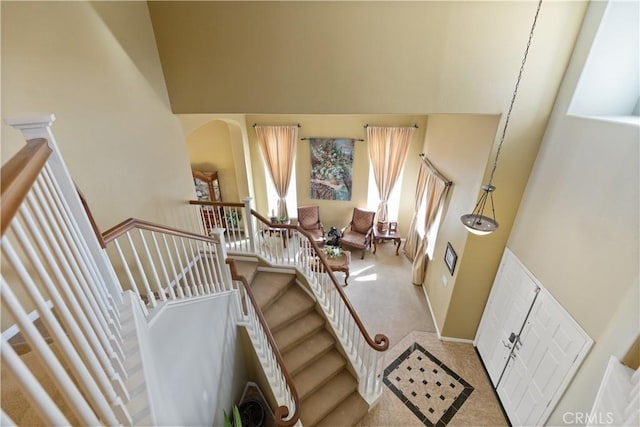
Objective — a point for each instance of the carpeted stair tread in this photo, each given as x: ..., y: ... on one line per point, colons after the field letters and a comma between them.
x: 297, y: 331
x: 246, y: 268
x: 308, y: 351
x: 324, y: 400
x: 318, y: 373
x: 348, y: 413
x: 290, y: 306
x: 268, y: 286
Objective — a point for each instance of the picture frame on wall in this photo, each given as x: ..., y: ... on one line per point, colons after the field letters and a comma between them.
x: 450, y: 258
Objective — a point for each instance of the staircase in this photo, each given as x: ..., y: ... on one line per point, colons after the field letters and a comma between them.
x: 101, y: 296
x: 321, y: 373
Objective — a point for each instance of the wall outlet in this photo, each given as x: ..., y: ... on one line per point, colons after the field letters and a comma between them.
x: 445, y: 280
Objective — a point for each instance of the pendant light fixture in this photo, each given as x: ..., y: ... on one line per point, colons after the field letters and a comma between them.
x: 476, y: 222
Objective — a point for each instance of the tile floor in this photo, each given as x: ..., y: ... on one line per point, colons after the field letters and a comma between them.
x: 380, y: 289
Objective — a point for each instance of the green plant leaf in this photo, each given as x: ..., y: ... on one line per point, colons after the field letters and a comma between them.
x: 227, y: 420
x: 237, y: 421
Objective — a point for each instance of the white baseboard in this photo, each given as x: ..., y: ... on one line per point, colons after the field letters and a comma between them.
x: 453, y: 339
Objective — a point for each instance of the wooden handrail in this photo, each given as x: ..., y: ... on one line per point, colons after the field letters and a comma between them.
x: 209, y: 203
x: 92, y: 220
x: 131, y: 223
x: 18, y: 176
x: 380, y: 342
x: 282, y: 411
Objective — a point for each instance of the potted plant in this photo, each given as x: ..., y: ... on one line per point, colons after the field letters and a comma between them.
x: 236, y: 422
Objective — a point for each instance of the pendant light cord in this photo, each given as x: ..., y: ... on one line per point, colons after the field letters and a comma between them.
x: 515, y: 92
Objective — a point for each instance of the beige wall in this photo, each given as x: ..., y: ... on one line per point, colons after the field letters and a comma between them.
x: 458, y: 145
x: 96, y: 67
x: 338, y: 213
x: 210, y: 149
x: 577, y: 228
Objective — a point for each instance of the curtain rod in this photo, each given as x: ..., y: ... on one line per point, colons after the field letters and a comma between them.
x: 447, y: 182
x: 415, y: 125
x: 255, y: 124
x: 319, y: 137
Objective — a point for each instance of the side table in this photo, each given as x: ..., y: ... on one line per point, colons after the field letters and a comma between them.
x: 379, y: 236
x: 337, y: 263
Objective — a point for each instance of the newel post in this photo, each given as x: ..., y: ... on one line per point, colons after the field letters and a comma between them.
x: 39, y: 126
x: 221, y: 257
x: 251, y: 223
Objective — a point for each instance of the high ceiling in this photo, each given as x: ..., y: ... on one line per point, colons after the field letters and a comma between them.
x: 418, y: 57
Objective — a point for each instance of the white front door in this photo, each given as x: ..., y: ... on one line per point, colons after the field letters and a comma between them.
x: 511, y: 298
x: 551, y: 347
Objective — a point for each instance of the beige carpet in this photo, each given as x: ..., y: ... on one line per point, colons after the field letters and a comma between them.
x: 380, y: 289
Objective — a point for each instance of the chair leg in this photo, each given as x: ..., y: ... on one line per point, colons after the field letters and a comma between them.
x: 362, y: 256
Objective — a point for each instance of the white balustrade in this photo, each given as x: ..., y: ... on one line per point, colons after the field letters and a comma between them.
x: 53, y: 264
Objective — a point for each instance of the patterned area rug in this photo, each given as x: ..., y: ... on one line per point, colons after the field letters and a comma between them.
x: 430, y: 389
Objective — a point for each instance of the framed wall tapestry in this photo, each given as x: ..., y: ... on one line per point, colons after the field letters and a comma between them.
x: 331, y: 168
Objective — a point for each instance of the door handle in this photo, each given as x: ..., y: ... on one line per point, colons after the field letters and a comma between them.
x: 506, y: 345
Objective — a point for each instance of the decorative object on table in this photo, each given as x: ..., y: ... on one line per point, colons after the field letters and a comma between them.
x: 273, y: 218
x: 382, y: 226
x: 476, y: 222
x: 358, y: 233
x: 450, y: 258
x: 333, y: 237
x: 309, y: 221
x: 331, y: 168
x: 393, y: 227
x: 332, y: 251
x: 380, y: 237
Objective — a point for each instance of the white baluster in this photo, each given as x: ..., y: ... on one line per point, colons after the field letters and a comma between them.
x: 110, y: 340
x: 250, y: 224
x: 173, y: 270
x: 153, y: 268
x: 87, y: 376
x: 150, y: 297
x: 72, y: 395
x: 38, y: 396
x: 132, y: 281
x: 165, y: 274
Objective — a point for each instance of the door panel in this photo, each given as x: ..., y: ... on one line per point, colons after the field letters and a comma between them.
x: 509, y: 303
x: 551, y: 343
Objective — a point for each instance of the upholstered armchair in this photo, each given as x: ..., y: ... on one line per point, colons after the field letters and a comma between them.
x: 359, y: 232
x: 309, y: 221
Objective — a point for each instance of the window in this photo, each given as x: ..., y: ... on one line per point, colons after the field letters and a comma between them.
x: 272, y: 195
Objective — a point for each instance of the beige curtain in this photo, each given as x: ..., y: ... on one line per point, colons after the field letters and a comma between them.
x: 388, y: 147
x: 278, y: 147
x: 411, y: 243
x: 436, y: 190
